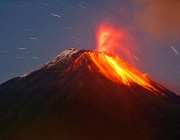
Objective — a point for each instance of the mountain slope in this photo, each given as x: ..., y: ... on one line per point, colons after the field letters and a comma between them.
x: 69, y: 98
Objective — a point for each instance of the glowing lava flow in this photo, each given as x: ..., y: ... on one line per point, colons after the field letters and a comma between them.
x: 119, y: 71
x: 114, y: 68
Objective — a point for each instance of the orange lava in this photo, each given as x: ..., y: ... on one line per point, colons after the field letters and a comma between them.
x: 114, y: 68
x: 118, y: 70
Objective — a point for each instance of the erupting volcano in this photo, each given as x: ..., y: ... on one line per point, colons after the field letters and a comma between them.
x: 84, y: 94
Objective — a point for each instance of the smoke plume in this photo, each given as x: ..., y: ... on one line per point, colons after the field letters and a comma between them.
x: 159, y: 18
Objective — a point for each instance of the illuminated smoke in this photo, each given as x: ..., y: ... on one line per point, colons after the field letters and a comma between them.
x: 113, y: 40
x: 108, y: 39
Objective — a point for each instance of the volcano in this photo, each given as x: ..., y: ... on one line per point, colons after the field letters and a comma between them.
x: 87, y: 95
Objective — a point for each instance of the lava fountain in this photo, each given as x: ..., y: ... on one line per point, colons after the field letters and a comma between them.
x: 110, y: 40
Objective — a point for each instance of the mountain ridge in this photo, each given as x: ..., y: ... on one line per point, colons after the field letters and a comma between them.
x: 69, y: 101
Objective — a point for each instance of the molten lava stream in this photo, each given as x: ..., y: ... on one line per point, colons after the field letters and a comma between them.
x: 119, y: 71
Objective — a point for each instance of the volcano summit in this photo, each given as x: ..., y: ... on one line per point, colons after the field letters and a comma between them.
x: 87, y: 95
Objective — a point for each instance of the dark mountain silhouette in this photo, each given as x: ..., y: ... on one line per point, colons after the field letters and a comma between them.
x: 71, y: 98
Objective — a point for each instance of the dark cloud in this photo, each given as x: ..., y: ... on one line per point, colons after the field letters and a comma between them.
x: 159, y: 18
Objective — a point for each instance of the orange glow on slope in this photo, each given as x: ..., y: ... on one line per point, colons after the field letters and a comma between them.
x: 119, y: 71
x: 114, y: 68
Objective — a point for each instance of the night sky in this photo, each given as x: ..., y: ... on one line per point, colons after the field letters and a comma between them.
x: 32, y: 32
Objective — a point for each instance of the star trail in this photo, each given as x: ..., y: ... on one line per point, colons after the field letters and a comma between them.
x: 33, y: 32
